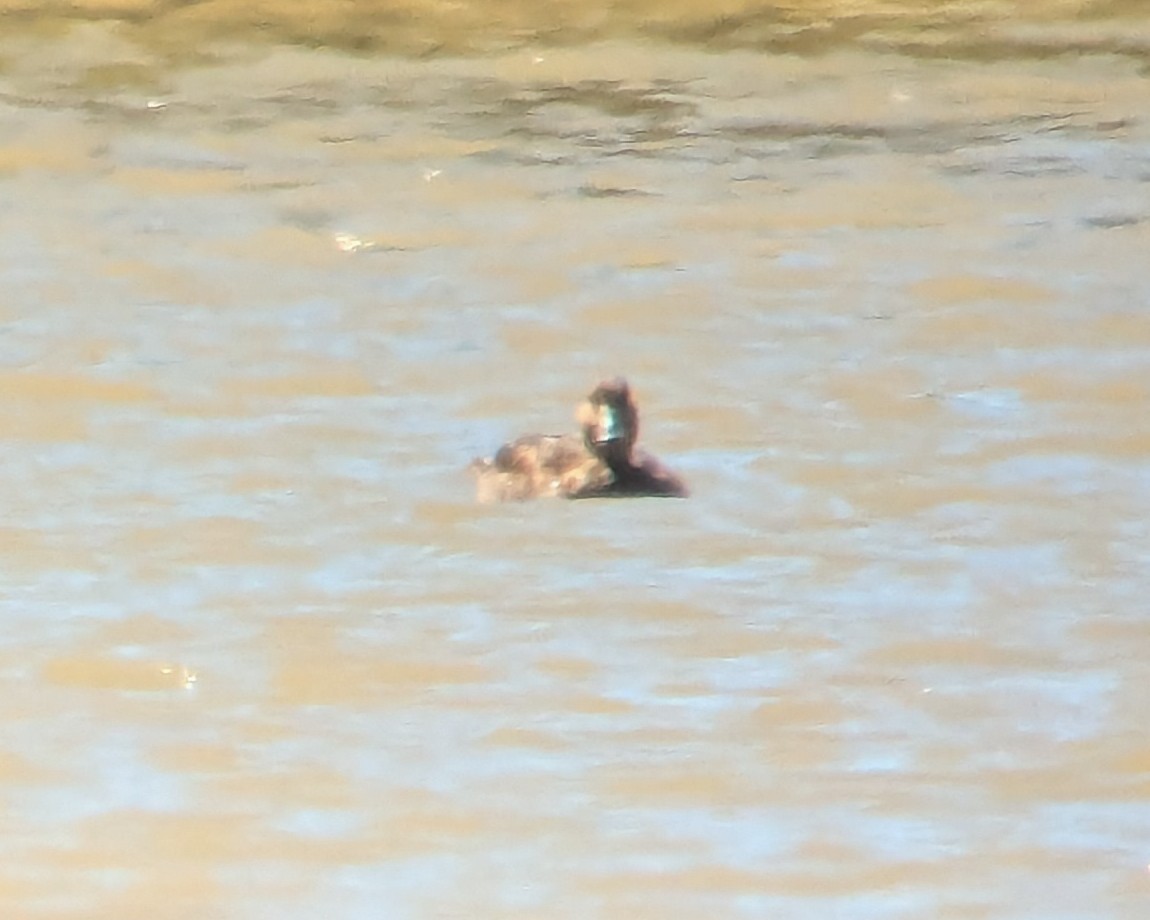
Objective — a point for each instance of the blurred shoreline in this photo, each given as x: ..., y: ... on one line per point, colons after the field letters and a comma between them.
x: 953, y: 29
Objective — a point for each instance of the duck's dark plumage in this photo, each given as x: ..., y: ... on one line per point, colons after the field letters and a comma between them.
x: 600, y: 463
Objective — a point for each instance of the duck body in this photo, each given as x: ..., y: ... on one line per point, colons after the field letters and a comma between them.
x: 540, y: 466
x: 601, y: 463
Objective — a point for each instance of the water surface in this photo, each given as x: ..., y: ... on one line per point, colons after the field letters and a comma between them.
x: 263, y: 656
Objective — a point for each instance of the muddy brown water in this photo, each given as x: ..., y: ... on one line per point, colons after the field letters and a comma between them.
x: 262, y: 656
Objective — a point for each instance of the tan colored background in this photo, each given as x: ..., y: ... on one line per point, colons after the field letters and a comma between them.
x: 262, y: 655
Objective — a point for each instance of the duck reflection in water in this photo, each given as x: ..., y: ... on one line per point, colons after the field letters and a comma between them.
x: 600, y: 463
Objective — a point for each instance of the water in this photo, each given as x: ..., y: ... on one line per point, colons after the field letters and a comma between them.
x: 263, y: 655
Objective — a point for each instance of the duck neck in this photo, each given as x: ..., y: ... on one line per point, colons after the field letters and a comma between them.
x: 616, y: 453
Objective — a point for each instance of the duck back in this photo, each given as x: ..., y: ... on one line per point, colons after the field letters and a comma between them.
x: 540, y: 466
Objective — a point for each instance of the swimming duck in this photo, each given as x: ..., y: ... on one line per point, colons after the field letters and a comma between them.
x: 601, y: 462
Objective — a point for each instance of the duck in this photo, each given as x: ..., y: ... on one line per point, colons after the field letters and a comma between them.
x: 600, y: 462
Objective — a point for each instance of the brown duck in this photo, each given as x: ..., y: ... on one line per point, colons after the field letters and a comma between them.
x: 600, y: 463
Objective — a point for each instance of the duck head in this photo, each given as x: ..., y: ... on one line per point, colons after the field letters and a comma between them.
x: 610, y: 422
